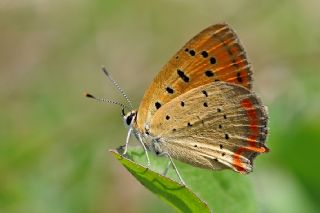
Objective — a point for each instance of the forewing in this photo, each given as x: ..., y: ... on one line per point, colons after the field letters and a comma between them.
x: 215, y: 54
x: 218, y: 123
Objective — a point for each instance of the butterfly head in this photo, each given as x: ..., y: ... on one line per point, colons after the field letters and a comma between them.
x: 130, y: 118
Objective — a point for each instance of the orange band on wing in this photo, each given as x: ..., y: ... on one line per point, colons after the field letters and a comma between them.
x: 254, y: 122
x: 237, y: 161
x: 253, y: 135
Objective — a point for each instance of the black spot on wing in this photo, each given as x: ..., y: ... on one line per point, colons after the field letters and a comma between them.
x: 192, y: 52
x: 209, y: 73
x: 205, y: 93
x: 226, y: 136
x: 183, y: 76
x: 170, y: 90
x: 157, y: 105
x: 213, y: 60
x: 204, y: 54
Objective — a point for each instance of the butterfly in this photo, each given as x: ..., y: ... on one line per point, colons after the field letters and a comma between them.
x: 200, y: 109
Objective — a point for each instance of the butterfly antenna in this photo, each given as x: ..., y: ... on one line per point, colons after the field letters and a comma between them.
x: 108, y: 101
x: 117, y: 86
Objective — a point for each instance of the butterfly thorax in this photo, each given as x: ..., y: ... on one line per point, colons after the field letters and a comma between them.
x: 130, y: 120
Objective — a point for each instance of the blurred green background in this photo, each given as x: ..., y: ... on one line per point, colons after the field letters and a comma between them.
x: 54, y: 142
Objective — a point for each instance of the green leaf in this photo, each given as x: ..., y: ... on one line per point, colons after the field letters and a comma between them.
x: 169, y: 190
x: 223, y: 191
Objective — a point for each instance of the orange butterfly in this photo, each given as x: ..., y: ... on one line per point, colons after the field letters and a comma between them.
x: 200, y: 108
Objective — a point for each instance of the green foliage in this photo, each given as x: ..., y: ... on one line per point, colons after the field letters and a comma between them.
x: 224, y: 191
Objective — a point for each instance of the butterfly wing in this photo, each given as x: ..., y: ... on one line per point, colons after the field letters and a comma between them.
x: 215, y: 54
x: 213, y: 126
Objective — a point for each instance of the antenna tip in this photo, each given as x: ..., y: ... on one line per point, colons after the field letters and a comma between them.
x: 88, y: 95
x: 105, y: 70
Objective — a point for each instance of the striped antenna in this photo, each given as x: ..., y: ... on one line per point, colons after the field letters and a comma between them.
x: 108, y: 101
x: 117, y: 86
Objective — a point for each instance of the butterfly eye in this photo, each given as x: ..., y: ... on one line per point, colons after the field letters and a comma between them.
x: 130, y: 118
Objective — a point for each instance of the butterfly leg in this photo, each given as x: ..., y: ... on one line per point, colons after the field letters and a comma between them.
x: 167, y: 168
x: 145, y: 149
x: 173, y: 165
x: 127, y: 141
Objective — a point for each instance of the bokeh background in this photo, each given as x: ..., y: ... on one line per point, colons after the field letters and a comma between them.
x: 54, y: 142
